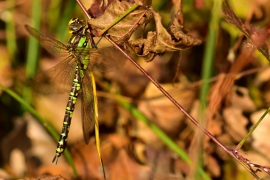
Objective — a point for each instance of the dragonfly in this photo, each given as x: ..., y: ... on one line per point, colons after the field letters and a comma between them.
x: 74, y: 74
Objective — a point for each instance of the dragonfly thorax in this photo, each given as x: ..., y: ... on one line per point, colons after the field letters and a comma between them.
x: 78, y: 28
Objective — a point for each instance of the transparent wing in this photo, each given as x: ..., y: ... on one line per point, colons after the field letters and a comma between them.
x: 88, y: 112
x: 53, y: 46
x: 106, y: 59
x: 57, y: 79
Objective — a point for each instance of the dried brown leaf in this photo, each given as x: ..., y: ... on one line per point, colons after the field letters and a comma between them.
x: 235, y: 120
x: 163, y: 164
x: 215, y: 127
x: 235, y: 123
x: 241, y: 99
x: 124, y: 167
x: 122, y: 31
x: 213, y: 166
x: 54, y: 172
x: 163, y: 40
x: 46, y: 177
x: 162, y: 112
x: 86, y: 160
x: 98, y: 7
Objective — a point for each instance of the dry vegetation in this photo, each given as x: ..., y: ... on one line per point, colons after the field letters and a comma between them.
x: 231, y: 45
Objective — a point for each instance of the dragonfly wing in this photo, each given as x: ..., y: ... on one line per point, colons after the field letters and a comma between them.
x: 106, y: 59
x: 53, y: 46
x: 88, y: 106
x: 58, y: 79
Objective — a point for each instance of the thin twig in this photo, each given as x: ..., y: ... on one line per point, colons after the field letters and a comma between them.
x: 232, y: 152
x: 194, y: 121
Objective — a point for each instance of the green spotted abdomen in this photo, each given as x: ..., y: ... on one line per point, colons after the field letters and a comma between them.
x: 73, y: 95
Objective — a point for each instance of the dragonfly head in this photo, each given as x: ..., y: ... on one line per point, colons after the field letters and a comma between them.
x: 75, y: 25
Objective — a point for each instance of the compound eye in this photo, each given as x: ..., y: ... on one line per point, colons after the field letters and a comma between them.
x: 73, y: 28
x: 72, y: 20
x: 80, y: 22
x: 75, y: 24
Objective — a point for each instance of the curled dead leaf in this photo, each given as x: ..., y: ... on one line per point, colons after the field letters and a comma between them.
x: 161, y: 41
x: 156, y: 43
x: 121, y: 31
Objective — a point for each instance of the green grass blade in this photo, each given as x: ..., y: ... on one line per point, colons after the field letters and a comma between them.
x: 166, y: 140
x: 209, y: 52
x: 47, y: 125
x: 207, y: 68
x: 10, y: 32
x: 132, y: 8
x: 64, y: 19
x: 252, y: 129
x: 32, y: 51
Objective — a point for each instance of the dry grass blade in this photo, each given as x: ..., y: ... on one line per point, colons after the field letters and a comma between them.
x: 223, y: 86
x: 256, y: 37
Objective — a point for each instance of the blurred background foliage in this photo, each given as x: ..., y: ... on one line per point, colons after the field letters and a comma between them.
x: 21, y: 58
